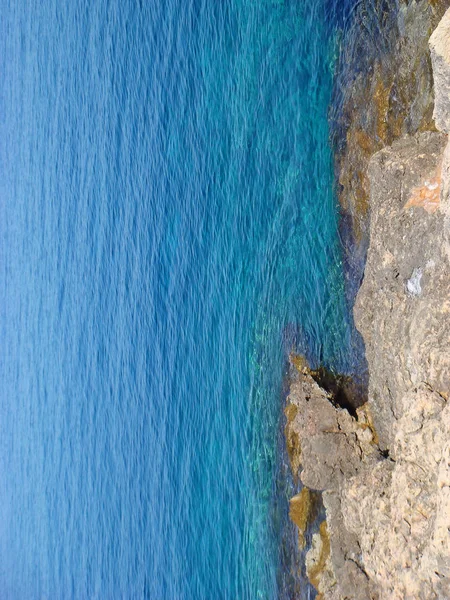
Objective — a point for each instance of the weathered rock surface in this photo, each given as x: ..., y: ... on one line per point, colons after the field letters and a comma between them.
x: 319, y: 566
x: 333, y: 447
x: 383, y: 91
x: 384, y: 473
x: 402, y: 308
x: 328, y: 435
x: 399, y: 511
x: 440, y: 58
x: 391, y: 92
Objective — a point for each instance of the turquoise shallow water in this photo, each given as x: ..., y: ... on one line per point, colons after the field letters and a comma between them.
x: 168, y: 235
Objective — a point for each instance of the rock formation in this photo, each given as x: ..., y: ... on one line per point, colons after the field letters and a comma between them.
x: 383, y: 90
x: 384, y: 468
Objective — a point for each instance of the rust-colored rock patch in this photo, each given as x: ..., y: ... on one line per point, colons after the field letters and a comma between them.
x: 427, y: 196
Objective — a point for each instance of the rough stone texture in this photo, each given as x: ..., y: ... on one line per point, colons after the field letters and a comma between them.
x: 333, y: 447
x: 396, y: 75
x: 329, y: 437
x: 385, y: 473
x: 319, y: 567
x: 383, y: 90
x: 402, y: 308
x: 440, y: 58
x: 445, y: 188
x: 400, y: 510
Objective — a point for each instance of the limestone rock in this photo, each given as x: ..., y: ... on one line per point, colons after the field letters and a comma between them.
x: 445, y: 187
x: 400, y: 510
x: 332, y: 447
x: 383, y: 91
x: 385, y: 471
x: 385, y: 474
x: 331, y: 442
x: 319, y: 567
x: 402, y: 308
x: 440, y: 57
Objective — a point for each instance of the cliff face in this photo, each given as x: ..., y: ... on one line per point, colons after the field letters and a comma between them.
x: 402, y: 307
x: 384, y: 90
x: 384, y: 470
x: 400, y: 509
x: 395, y: 75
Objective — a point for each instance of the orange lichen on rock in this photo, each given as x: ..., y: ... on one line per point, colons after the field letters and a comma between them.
x: 427, y: 196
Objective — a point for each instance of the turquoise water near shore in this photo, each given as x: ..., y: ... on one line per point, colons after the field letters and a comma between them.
x: 168, y: 235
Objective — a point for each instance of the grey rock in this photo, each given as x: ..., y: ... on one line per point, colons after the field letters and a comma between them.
x: 332, y: 442
x: 353, y: 581
x: 402, y: 306
x: 385, y: 474
x: 440, y: 58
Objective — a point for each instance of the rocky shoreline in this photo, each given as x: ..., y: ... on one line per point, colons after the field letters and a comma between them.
x: 382, y: 467
x: 383, y: 91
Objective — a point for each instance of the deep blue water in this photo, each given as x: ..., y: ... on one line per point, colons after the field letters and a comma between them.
x: 168, y: 233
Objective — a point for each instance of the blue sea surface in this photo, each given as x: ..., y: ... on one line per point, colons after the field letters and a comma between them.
x: 168, y: 234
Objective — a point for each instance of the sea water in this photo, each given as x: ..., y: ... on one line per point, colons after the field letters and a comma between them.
x: 168, y: 234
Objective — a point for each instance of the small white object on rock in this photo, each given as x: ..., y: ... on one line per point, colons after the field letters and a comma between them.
x: 413, y: 284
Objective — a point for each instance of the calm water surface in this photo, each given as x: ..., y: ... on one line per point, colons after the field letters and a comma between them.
x: 168, y: 233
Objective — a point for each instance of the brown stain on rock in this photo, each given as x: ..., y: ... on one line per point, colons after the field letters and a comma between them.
x: 302, y: 510
x: 365, y: 419
x: 385, y: 100
x: 299, y: 362
x: 381, y: 97
x: 316, y: 571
